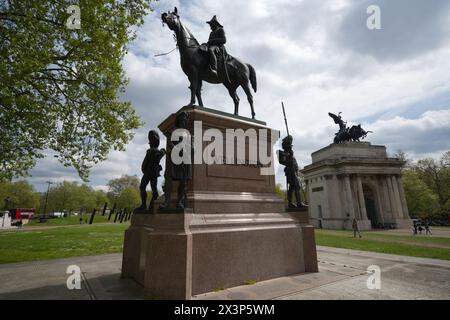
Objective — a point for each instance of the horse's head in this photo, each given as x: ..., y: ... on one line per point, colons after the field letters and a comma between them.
x: 172, y: 19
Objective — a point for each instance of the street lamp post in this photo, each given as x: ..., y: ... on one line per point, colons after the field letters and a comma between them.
x: 46, y: 197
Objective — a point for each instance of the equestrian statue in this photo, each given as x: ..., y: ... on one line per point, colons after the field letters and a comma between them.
x: 210, y: 62
x: 347, y: 134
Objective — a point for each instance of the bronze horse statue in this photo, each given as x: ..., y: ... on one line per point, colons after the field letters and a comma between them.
x: 231, y: 72
x: 355, y: 133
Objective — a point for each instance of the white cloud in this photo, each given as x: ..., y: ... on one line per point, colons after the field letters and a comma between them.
x: 429, y: 134
x: 103, y: 188
x: 310, y: 54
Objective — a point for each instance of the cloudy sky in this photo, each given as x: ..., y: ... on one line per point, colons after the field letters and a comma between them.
x: 316, y: 56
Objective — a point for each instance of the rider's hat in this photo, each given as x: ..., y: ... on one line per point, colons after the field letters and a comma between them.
x: 214, y: 21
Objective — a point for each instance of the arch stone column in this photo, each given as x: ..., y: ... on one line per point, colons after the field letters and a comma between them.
x: 362, y: 202
x: 380, y: 210
x: 403, y: 198
x: 398, y: 203
x: 391, y: 196
x: 349, y: 197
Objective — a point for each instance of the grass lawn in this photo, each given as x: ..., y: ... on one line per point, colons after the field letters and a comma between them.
x: 73, y: 220
x: 61, y: 242
x: 416, y: 246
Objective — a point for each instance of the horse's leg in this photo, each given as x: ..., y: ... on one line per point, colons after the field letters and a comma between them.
x: 192, y: 102
x: 193, y: 79
x: 234, y: 96
x: 249, y: 98
x: 199, y: 93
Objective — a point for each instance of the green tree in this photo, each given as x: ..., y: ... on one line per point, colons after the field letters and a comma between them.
x: 61, y: 197
x: 20, y: 193
x: 118, y: 185
x: 72, y: 196
x: 60, y: 86
x: 100, y: 199
x: 421, y: 200
x: 86, y: 198
x: 436, y: 175
x: 129, y: 198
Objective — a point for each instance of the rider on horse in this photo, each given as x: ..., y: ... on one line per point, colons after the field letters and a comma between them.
x: 215, y: 43
x: 198, y: 61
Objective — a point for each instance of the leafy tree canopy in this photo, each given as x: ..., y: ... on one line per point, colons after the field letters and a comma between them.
x: 118, y: 185
x: 72, y: 196
x: 422, y: 202
x: 128, y: 199
x: 20, y: 194
x: 60, y: 86
x: 436, y: 175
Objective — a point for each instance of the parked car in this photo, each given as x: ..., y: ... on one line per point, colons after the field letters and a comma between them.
x: 57, y: 215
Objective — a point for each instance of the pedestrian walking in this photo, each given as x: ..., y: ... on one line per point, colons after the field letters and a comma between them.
x: 355, y: 228
x: 420, y: 229
x: 427, y: 229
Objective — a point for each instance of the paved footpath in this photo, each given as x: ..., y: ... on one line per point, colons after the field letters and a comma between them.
x: 343, y: 275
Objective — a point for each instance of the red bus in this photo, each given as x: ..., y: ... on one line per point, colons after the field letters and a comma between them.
x: 21, y: 213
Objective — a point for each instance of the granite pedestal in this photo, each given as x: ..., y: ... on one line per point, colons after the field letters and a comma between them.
x: 237, y: 230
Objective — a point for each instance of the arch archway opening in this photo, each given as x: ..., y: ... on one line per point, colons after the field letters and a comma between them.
x: 371, y: 205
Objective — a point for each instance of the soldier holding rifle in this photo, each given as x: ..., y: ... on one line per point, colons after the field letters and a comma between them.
x: 286, y: 158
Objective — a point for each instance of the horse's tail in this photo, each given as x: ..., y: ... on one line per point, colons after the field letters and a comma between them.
x: 252, y: 76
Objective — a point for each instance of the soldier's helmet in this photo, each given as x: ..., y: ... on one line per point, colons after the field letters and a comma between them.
x: 286, y: 142
x: 153, y: 138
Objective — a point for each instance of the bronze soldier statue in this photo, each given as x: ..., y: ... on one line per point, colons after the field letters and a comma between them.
x: 286, y: 158
x: 177, y: 172
x: 215, y: 43
x: 151, y: 169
